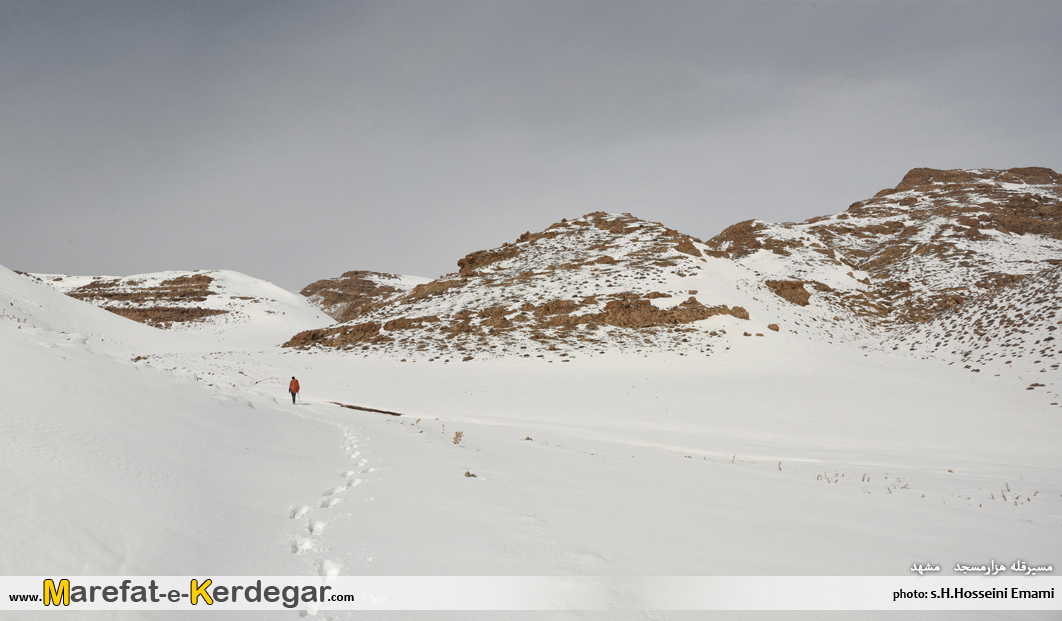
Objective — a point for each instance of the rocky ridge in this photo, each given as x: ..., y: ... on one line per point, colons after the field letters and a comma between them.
x: 354, y: 293
x: 611, y: 281
x: 934, y: 241
x: 582, y: 287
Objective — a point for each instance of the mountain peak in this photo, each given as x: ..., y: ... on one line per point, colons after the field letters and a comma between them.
x: 922, y: 177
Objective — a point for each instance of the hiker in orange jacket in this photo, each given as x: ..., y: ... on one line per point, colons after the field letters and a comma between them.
x: 293, y: 388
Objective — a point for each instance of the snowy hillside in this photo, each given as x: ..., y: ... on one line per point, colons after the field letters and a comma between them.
x: 113, y: 467
x: 221, y: 304
x: 1012, y: 333
x: 583, y: 287
x: 936, y: 240
x: 25, y: 300
x: 607, y: 283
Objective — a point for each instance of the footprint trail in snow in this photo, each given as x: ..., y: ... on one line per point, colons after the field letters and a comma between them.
x: 314, y: 520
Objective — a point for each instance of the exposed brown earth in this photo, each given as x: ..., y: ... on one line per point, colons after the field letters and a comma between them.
x: 1012, y: 331
x: 191, y: 288
x: 169, y: 302
x: 791, y: 290
x: 348, y: 296
x: 164, y: 316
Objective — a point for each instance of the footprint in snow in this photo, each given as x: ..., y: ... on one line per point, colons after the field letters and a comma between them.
x: 301, y: 544
x: 332, y: 491
x: 329, y: 568
x: 330, y: 502
x: 297, y: 512
x: 353, y: 483
x: 347, y: 473
x: 316, y: 527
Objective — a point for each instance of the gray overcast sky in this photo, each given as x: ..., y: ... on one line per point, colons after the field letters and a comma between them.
x: 296, y: 140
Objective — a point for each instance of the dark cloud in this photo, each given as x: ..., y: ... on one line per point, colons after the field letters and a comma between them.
x: 293, y: 141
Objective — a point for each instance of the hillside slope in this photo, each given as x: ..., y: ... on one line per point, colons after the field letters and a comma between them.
x: 229, y: 306
x: 938, y: 238
x: 585, y: 286
x: 607, y: 282
x: 116, y: 467
x: 1012, y: 332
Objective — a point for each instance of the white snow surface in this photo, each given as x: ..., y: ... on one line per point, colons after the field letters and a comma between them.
x: 775, y: 456
x: 1013, y: 334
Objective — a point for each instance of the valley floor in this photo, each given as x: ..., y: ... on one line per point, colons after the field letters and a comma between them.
x: 777, y: 458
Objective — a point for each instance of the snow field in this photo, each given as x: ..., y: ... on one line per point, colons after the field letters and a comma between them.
x: 774, y: 457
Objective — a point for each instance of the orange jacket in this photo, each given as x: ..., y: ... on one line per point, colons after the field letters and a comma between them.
x: 294, y: 385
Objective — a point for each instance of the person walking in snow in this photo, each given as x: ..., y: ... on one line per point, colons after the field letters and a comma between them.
x: 293, y: 388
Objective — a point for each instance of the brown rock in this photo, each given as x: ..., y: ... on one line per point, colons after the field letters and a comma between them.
x: 741, y: 236
x: 164, y: 316
x: 350, y: 295
x: 790, y: 290
x: 482, y: 258
x: 924, y: 176
x: 686, y: 246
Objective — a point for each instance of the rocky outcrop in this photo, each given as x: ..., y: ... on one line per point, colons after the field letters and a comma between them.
x: 187, y: 288
x: 164, y: 316
x: 354, y: 293
x: 159, y: 304
x: 790, y: 290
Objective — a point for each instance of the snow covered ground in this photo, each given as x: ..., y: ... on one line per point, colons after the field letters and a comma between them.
x: 774, y: 456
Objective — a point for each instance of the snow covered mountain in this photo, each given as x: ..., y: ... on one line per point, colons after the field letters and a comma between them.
x: 582, y: 287
x: 220, y: 304
x: 613, y: 282
x: 937, y: 239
